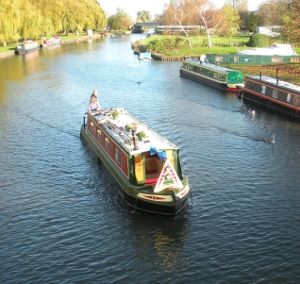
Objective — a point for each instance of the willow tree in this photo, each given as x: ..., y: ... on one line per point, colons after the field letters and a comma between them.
x: 31, y: 20
x: 10, y: 20
x: 51, y: 14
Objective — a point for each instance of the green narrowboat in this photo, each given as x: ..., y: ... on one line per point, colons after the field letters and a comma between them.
x: 145, y: 164
x: 212, y: 75
x: 251, y: 59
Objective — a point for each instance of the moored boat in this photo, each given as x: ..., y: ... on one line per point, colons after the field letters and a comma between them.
x: 50, y: 42
x: 273, y: 93
x: 251, y: 59
x: 26, y: 47
x: 145, y: 55
x: 212, y: 75
x: 145, y: 164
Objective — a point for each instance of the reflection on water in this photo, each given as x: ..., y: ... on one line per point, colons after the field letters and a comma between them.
x: 61, y: 217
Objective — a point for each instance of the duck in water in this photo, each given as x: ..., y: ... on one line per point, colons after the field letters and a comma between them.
x: 270, y: 140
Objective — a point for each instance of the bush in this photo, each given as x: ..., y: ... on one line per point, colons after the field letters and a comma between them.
x: 259, y: 40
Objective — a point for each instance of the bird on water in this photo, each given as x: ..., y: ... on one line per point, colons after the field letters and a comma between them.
x: 270, y: 140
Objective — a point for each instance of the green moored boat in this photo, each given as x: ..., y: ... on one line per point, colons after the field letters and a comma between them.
x: 213, y: 75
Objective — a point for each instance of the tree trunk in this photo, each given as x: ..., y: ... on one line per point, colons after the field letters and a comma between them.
x: 4, y: 43
x: 209, y: 45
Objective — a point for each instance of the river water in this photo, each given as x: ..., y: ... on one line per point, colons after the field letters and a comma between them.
x: 61, y: 219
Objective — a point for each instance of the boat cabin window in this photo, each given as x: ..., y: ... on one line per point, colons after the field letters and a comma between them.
x: 99, y: 135
x: 219, y: 58
x: 251, y: 85
x: 263, y: 89
x: 236, y: 59
x: 288, y: 97
x: 92, y: 127
x: 222, y: 77
x: 277, y: 59
x: 106, y: 144
x: 118, y: 155
x: 275, y: 94
x: 295, y: 59
x: 216, y: 75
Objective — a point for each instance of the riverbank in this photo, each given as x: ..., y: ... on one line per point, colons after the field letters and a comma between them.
x: 9, y: 50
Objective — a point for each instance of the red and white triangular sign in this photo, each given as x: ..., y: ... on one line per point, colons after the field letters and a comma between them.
x: 167, y: 169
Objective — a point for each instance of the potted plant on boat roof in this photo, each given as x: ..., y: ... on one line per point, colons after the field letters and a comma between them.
x: 142, y: 135
x: 115, y: 114
x: 128, y: 127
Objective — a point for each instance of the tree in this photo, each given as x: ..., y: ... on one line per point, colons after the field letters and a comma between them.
x: 230, y: 22
x: 269, y: 13
x: 124, y: 18
x: 114, y: 22
x: 180, y: 10
x: 291, y: 23
x: 10, y: 20
x: 207, y: 14
x: 234, y: 3
x: 144, y: 16
x: 31, y: 19
x: 35, y: 18
x: 253, y: 22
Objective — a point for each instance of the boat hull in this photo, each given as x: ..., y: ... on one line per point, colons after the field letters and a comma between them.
x: 274, y: 96
x: 140, y: 197
x: 26, y: 48
x: 208, y: 81
x: 51, y: 42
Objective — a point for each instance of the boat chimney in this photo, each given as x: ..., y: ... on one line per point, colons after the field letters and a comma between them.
x: 83, y: 122
x: 135, y: 140
x: 277, y: 76
x: 260, y: 76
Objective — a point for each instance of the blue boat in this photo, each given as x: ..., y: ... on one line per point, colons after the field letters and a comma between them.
x: 145, y: 55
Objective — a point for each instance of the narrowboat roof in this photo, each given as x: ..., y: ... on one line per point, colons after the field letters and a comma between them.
x: 116, y: 129
x: 207, y: 65
x: 277, y: 82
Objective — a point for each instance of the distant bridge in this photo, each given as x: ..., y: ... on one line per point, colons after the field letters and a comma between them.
x: 139, y: 28
x: 142, y: 27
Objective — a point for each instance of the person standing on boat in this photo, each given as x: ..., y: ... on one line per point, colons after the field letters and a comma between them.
x: 94, y: 104
x: 95, y: 93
